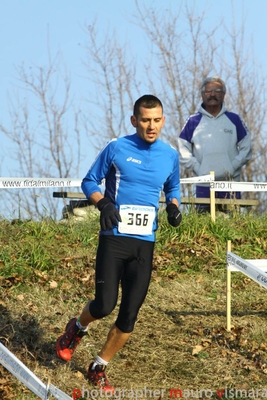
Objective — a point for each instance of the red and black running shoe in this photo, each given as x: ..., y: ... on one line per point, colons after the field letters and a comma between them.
x: 98, y: 377
x: 67, y: 343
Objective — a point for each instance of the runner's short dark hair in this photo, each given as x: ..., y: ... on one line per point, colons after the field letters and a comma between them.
x: 147, y: 101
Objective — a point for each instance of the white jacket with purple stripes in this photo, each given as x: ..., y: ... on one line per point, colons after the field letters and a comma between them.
x: 221, y: 144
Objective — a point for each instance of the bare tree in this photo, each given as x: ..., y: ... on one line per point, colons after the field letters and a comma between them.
x: 178, y: 60
x: 43, y: 142
x: 247, y: 95
x: 187, y: 57
x: 178, y: 57
x: 182, y: 59
x: 113, y: 74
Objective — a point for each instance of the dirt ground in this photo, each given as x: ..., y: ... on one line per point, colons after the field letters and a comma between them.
x: 179, y: 348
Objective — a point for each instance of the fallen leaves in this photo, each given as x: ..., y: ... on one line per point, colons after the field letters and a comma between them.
x: 53, y: 284
x: 197, y: 349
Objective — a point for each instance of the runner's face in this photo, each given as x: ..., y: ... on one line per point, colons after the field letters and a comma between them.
x: 149, y: 123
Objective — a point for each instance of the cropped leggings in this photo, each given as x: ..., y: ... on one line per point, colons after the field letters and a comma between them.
x: 127, y: 261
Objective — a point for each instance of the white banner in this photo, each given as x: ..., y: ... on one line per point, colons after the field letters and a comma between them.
x: 197, y: 179
x: 224, y: 186
x: 65, y: 183
x: 37, y: 183
x: 26, y: 376
x: 248, y: 267
x: 40, y: 183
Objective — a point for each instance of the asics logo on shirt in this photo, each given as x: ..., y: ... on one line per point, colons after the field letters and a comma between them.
x: 134, y: 160
x: 228, y: 130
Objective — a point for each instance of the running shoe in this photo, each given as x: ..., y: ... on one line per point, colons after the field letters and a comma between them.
x: 98, y: 378
x: 67, y: 343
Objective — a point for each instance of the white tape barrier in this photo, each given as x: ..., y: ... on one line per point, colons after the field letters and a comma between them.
x: 223, y: 186
x: 218, y: 186
x: 197, y: 179
x: 254, y: 269
x: 37, y: 183
x: 26, y: 376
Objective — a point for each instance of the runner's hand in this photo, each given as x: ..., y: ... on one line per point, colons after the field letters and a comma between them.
x: 109, y: 215
x: 174, y: 214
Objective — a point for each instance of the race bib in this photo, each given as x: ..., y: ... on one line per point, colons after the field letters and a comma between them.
x: 136, y: 220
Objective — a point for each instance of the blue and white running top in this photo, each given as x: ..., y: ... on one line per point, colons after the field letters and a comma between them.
x: 135, y: 173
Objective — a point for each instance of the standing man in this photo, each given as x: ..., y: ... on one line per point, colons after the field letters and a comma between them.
x: 135, y: 168
x: 214, y: 139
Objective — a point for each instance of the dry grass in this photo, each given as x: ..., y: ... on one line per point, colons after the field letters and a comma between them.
x: 179, y: 341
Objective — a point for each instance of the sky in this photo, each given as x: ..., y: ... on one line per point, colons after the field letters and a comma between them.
x: 26, y: 26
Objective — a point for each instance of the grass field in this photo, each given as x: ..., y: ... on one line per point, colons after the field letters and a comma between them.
x: 180, y: 346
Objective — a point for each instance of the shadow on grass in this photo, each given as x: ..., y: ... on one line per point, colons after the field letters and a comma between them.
x: 23, y: 336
